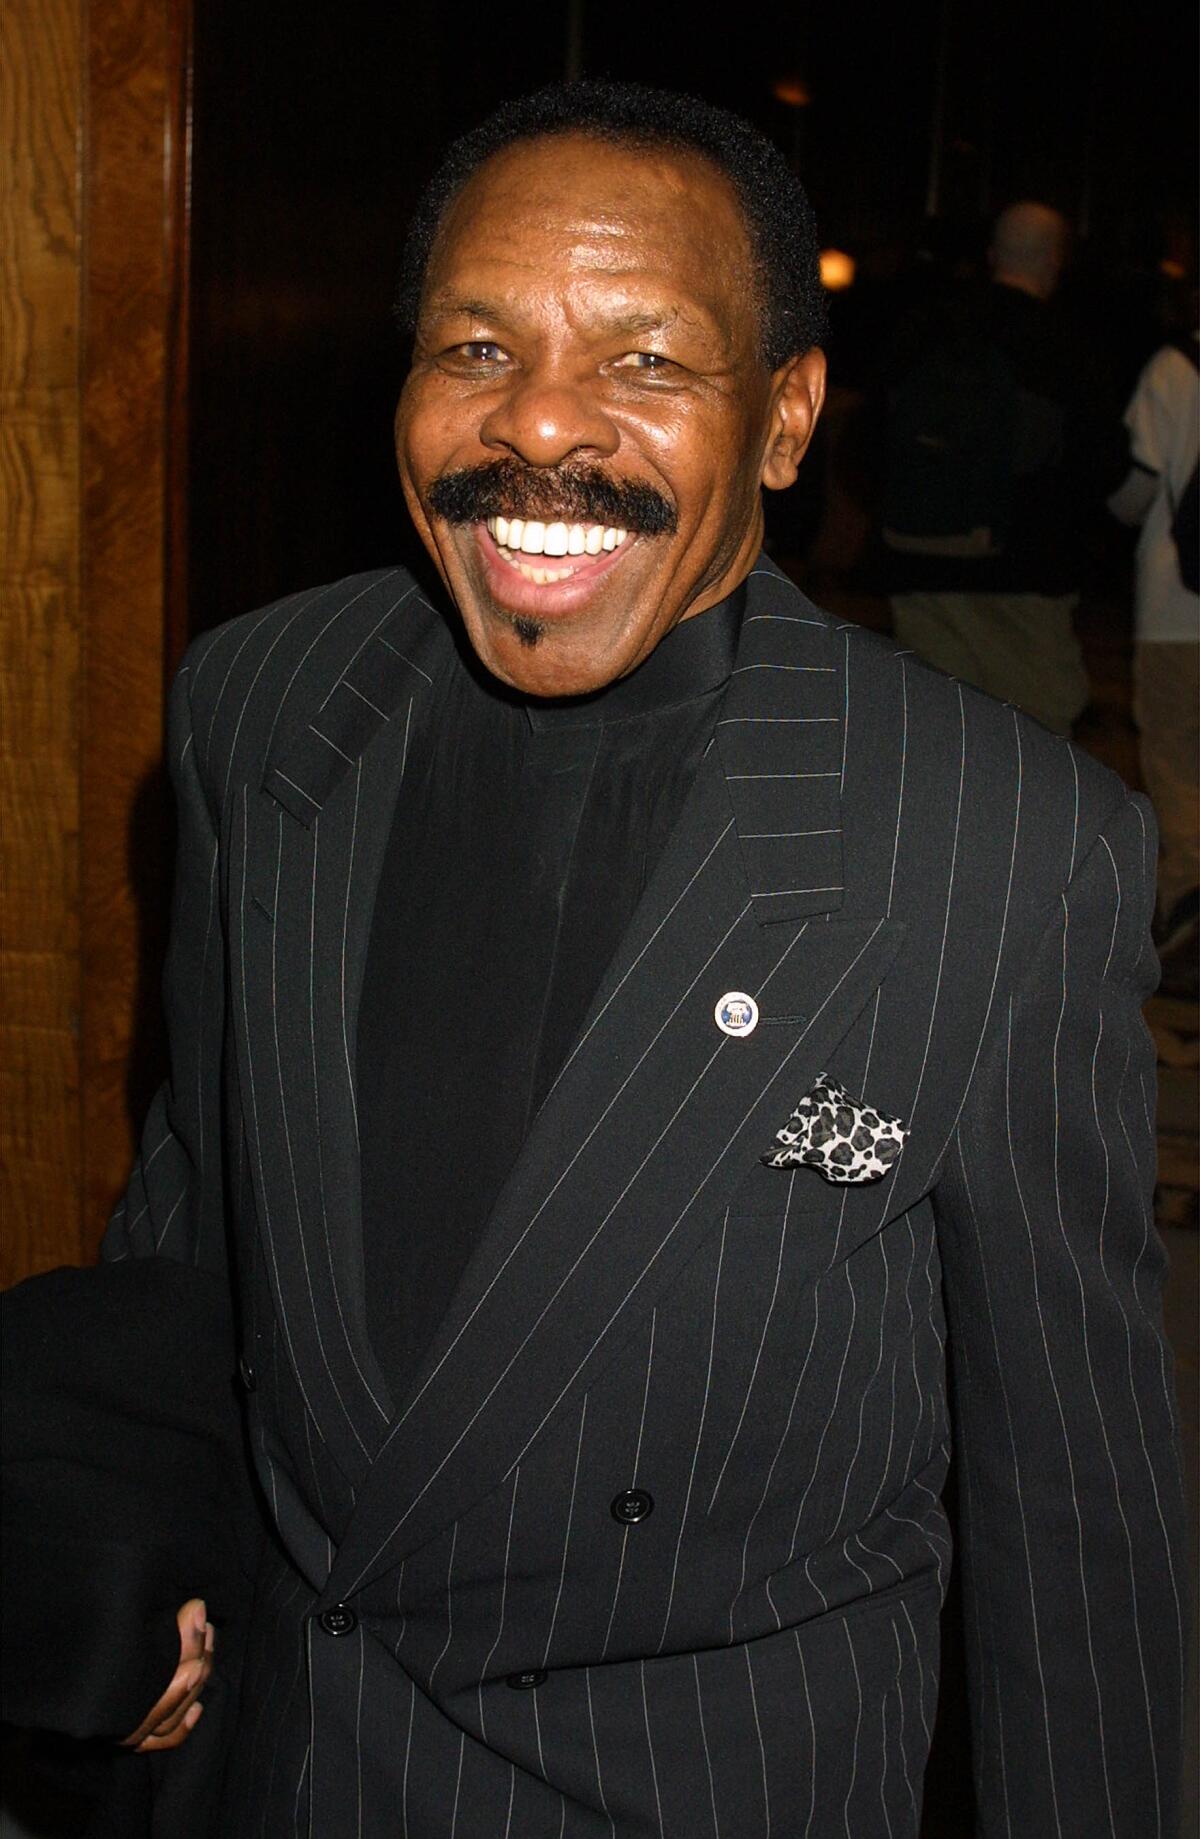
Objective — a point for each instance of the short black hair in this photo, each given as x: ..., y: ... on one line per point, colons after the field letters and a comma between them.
x: 778, y: 216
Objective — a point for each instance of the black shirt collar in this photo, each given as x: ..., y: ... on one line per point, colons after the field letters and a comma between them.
x: 695, y: 658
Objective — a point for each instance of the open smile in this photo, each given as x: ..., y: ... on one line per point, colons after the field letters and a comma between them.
x: 538, y: 568
x: 517, y: 538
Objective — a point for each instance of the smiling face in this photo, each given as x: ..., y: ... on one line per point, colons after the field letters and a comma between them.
x: 587, y: 422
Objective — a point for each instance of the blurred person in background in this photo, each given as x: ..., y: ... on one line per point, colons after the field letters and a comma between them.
x: 986, y: 480
x: 1160, y: 493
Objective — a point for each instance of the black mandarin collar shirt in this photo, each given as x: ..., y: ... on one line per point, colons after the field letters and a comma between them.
x: 522, y: 841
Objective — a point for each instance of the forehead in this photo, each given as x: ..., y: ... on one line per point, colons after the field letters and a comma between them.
x: 550, y: 213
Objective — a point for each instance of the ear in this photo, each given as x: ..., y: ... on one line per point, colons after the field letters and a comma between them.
x: 797, y: 397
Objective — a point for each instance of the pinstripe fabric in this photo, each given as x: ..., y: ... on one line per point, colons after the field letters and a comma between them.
x: 941, y: 906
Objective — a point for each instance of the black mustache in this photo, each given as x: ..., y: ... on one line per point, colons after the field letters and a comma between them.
x: 581, y: 494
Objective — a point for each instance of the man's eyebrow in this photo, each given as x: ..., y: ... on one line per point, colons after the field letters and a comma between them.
x: 448, y: 305
x: 633, y: 322
x: 651, y: 320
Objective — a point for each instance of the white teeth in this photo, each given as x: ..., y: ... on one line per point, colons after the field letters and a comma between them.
x: 560, y: 539
x: 542, y: 577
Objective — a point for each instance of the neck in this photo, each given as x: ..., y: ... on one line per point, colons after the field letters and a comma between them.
x: 1024, y: 284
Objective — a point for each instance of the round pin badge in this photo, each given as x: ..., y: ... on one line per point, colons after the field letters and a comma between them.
x: 736, y: 1013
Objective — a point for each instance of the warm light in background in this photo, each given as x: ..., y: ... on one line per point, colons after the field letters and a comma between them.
x: 837, y: 270
x: 792, y: 90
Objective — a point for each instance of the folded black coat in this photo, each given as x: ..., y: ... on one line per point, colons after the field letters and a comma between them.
x: 126, y: 1489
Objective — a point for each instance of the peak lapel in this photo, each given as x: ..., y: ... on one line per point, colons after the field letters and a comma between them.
x: 657, y: 1118
x: 312, y: 842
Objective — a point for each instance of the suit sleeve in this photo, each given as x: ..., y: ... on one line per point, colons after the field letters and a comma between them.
x: 1071, y: 1520
x: 174, y: 1205
x: 127, y: 1490
x: 120, y: 1495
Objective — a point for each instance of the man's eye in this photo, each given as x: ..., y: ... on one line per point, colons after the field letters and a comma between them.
x: 651, y: 363
x: 478, y: 351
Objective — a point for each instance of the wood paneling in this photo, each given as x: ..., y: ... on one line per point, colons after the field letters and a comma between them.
x: 131, y: 132
x: 93, y: 133
x: 40, y: 230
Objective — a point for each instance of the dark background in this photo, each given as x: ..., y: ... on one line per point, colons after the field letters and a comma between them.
x: 316, y: 124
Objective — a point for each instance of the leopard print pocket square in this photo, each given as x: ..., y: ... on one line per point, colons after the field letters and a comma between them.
x: 842, y: 1139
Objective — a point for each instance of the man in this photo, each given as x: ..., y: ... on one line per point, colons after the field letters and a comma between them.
x: 1160, y: 494
x: 624, y: 1032
x: 986, y: 471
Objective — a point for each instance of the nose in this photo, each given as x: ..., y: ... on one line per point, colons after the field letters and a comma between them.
x: 544, y: 419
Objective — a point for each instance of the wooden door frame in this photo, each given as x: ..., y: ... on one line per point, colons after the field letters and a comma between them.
x: 133, y: 543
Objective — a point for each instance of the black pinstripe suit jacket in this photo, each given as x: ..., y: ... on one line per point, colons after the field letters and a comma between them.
x: 934, y: 901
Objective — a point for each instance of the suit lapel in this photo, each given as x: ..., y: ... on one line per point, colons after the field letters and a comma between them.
x: 657, y: 1119
x: 781, y: 735
x: 305, y: 864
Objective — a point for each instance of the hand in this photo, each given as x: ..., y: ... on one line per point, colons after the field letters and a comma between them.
x: 178, y: 1711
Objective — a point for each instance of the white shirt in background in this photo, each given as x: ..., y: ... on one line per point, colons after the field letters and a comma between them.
x: 1163, y: 419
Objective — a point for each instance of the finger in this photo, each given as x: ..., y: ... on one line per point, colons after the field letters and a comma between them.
x: 188, y: 1683
x: 195, y: 1649
x: 172, y: 1716
x: 193, y: 1623
x: 176, y: 1737
x: 169, y: 1702
x: 189, y: 1679
x: 164, y: 1726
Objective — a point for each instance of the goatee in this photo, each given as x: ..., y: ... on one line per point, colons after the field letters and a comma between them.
x: 530, y: 631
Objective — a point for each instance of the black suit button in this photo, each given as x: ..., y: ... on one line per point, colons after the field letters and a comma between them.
x: 247, y: 1375
x: 632, y: 1506
x: 526, y: 1682
x: 339, y: 1620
